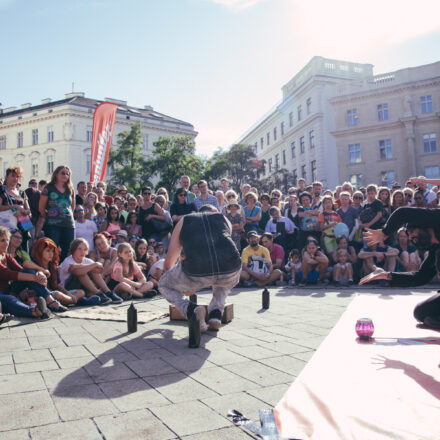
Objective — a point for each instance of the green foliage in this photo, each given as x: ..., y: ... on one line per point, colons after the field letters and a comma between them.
x: 281, y: 179
x: 236, y: 164
x: 127, y: 163
x: 172, y: 158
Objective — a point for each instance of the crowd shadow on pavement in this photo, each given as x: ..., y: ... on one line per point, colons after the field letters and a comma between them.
x: 108, y: 366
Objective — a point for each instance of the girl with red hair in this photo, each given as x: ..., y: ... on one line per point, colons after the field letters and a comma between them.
x: 45, y: 253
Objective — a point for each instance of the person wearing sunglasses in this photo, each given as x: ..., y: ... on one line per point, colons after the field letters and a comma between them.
x: 150, y: 210
x: 419, y: 199
x: 57, y: 202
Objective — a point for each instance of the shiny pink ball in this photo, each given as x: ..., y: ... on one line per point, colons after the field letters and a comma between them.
x: 364, y: 328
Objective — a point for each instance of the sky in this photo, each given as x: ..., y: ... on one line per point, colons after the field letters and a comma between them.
x: 218, y: 64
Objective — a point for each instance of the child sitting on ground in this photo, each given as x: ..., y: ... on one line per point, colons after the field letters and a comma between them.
x: 343, y: 270
x: 127, y: 278
x: 293, y: 266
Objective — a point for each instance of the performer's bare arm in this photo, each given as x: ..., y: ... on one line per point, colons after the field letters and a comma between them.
x: 174, y: 248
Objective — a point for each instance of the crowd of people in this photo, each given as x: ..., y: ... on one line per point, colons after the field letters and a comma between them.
x: 62, y: 246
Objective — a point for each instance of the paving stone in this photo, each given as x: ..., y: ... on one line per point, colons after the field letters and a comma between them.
x: 225, y: 357
x: 136, y: 425
x: 76, y: 362
x: 306, y: 356
x: 29, y: 367
x: 69, y: 352
x: 6, y: 358
x: 178, y: 387
x: 154, y: 353
x: 12, y: 345
x: 23, y: 410
x: 33, y: 331
x: 108, y: 373
x: 106, y: 347
x: 7, y: 369
x: 202, y: 418
x: 20, y: 434
x: 25, y: 356
x: 116, y: 357
x: 152, y: 367
x: 188, y: 362
x: 77, y: 430
x: 246, y: 404
x: 66, y: 378
x: 258, y: 373
x: 72, y: 340
x: 132, y: 394
x: 19, y: 383
x: 39, y: 342
x: 284, y: 347
x: 287, y: 364
x: 270, y: 395
x: 222, y: 381
x: 254, y: 352
x: 233, y: 433
x: 82, y: 401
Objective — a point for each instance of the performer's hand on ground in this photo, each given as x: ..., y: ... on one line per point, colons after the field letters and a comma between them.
x: 378, y: 274
x: 372, y: 236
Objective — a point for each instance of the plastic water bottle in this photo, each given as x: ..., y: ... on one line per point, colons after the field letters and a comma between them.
x: 132, y: 321
x: 265, y: 299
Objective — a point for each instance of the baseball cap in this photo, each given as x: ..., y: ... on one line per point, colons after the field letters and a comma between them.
x: 251, y: 233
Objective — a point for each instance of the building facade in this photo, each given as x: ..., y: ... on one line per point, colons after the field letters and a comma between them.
x: 41, y: 137
x: 296, y: 134
x: 387, y: 127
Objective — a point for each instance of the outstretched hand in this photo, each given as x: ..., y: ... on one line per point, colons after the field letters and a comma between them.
x: 378, y: 274
x: 373, y: 236
x: 389, y: 363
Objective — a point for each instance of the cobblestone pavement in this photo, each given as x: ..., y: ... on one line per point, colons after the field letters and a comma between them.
x: 83, y: 379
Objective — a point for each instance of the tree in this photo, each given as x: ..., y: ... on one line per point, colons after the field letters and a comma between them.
x: 128, y: 164
x: 281, y: 179
x: 238, y: 164
x: 172, y: 158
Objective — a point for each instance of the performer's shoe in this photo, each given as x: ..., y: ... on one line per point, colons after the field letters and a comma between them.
x: 215, y: 320
x: 432, y: 322
x: 200, y: 312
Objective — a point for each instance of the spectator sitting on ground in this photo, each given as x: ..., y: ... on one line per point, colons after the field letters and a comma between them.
x: 408, y: 258
x: 314, y: 264
x: 342, y: 243
x: 84, y: 228
x: 127, y: 278
x: 121, y: 237
x: 104, y: 254
x: 374, y: 256
x: 79, y: 272
x: 293, y: 266
x: 141, y: 255
x: 132, y: 225
x: 156, y: 271
x: 257, y: 266
x: 327, y: 220
x: 343, y: 270
x: 276, y: 253
x: 281, y: 228
x: 112, y: 224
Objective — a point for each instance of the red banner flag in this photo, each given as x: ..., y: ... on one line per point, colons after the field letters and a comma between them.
x: 103, y: 122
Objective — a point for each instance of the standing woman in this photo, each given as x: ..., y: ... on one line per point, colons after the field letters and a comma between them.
x: 148, y: 212
x: 11, y: 198
x: 385, y: 197
x: 252, y: 212
x: 57, y: 202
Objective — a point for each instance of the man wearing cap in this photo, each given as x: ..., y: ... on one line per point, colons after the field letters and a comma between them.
x: 257, y: 268
x: 84, y: 228
x: 211, y: 260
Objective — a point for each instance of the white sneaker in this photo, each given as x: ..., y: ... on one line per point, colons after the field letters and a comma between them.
x: 200, y: 312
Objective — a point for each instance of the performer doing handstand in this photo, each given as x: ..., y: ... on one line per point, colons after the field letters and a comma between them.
x: 211, y: 260
x: 423, y: 227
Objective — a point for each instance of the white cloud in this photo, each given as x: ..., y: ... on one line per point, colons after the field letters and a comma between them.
x: 237, y: 5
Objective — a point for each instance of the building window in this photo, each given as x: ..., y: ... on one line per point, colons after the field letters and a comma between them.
x: 356, y: 180
x: 277, y: 161
x: 19, y: 161
x: 385, y: 149
x: 268, y: 138
x: 352, y: 118
x: 303, y: 172
x: 50, y: 164
x: 50, y: 136
x: 354, y: 153
x: 309, y: 105
x: 89, y: 133
x: 291, y: 119
x: 284, y: 157
x: 387, y: 178
x: 261, y: 143
x: 299, y: 113
x: 35, y: 136
x: 34, y: 167
x: 313, y: 170
x: 145, y: 142
x: 256, y: 148
x: 293, y: 149
x: 432, y: 172
x: 302, y: 144
x: 2, y: 142
x: 270, y: 165
x: 429, y: 143
x: 282, y: 128
x: 295, y: 177
x: 382, y: 112
x: 274, y: 134
x: 88, y: 162
x: 19, y: 139
x: 426, y: 104
x: 312, y: 140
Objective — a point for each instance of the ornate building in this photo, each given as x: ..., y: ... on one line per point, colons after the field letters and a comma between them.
x: 387, y: 127
x: 39, y: 138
